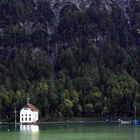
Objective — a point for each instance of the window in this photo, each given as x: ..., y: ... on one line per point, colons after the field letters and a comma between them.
x: 22, y: 119
x: 29, y: 119
x: 26, y: 115
x: 29, y: 114
x: 25, y: 119
x: 22, y: 114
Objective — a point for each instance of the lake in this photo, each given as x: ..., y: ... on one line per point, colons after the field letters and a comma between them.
x: 69, y: 132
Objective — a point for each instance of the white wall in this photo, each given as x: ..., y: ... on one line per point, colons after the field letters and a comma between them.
x: 27, y: 116
x: 35, y: 116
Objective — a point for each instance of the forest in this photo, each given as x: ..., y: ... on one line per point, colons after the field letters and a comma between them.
x: 84, y: 64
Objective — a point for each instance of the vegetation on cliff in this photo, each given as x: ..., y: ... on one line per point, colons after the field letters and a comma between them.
x: 85, y: 64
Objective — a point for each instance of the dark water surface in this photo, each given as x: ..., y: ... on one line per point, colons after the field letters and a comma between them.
x: 69, y: 132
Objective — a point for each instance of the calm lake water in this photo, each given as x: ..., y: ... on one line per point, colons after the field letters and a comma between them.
x: 69, y: 132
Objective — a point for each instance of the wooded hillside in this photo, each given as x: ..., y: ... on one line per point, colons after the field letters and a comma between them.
x: 83, y: 63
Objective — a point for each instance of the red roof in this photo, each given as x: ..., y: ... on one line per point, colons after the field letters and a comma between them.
x: 32, y: 107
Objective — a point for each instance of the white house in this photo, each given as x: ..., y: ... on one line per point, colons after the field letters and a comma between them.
x: 29, y: 114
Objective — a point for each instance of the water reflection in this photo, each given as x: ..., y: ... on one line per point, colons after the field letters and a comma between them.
x: 136, y: 132
x: 31, y: 132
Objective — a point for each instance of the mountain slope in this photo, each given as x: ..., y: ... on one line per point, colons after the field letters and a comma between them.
x: 72, y: 58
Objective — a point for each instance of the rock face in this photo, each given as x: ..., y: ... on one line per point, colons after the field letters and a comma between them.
x: 86, y: 3
x: 57, y: 5
x: 79, y: 3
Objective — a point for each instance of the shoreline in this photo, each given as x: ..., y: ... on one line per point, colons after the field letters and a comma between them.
x: 75, y: 121
x: 63, y: 122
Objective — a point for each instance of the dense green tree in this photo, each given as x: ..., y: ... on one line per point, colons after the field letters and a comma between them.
x: 122, y: 90
x: 89, y: 109
x: 76, y: 63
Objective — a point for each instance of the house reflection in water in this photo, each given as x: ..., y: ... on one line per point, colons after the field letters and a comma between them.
x: 29, y: 131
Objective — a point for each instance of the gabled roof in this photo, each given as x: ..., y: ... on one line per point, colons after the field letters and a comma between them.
x: 32, y: 107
